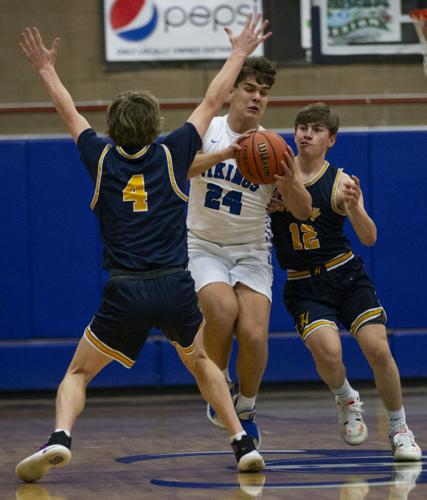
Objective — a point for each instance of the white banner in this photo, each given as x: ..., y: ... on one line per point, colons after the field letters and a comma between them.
x: 358, y: 28
x: 170, y: 30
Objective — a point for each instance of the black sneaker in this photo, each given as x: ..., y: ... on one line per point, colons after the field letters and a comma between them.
x: 247, y: 456
x: 55, y: 453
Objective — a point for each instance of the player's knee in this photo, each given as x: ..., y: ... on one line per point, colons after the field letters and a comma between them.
x: 379, y: 354
x: 252, y: 340
x: 84, y: 374
x: 330, y: 355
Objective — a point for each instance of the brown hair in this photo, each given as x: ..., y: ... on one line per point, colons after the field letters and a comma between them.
x: 318, y: 113
x: 133, y: 119
x: 260, y: 68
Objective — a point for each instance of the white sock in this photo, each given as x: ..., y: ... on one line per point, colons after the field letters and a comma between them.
x: 68, y: 433
x: 345, y: 392
x: 396, y: 420
x: 243, y: 403
x: 226, y: 375
x: 237, y: 436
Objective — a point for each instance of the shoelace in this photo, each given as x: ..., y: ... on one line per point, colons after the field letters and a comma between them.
x: 355, y: 407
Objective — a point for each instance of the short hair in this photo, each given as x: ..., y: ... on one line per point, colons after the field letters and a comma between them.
x: 260, y: 68
x: 133, y: 119
x: 318, y: 113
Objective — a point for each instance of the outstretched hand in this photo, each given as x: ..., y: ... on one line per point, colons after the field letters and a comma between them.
x: 251, y: 36
x: 352, y: 193
x: 35, y: 51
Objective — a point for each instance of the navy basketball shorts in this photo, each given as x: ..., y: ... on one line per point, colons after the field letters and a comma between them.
x: 132, y: 306
x: 343, y: 296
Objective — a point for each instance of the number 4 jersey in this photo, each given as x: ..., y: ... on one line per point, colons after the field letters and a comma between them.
x: 224, y: 207
x: 140, y: 198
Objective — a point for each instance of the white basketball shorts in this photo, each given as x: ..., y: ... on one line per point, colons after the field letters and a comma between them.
x: 247, y: 264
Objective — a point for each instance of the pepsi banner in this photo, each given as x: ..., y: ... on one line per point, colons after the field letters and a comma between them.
x: 169, y: 30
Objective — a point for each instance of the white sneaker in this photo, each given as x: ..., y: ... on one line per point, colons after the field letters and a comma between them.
x: 404, y: 447
x: 36, y: 465
x: 352, y: 427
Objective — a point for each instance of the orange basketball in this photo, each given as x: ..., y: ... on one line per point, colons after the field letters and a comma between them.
x: 260, y: 156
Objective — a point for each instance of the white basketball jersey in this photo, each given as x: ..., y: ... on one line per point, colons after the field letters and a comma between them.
x: 224, y: 207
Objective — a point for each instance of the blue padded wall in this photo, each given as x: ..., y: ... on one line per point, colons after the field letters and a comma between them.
x: 52, y: 278
x: 15, y: 305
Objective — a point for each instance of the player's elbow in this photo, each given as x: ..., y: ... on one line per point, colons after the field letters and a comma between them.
x: 369, y: 239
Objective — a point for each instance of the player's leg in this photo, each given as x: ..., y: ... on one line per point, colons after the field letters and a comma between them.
x: 219, y: 304
x: 210, y: 266
x: 372, y: 339
x: 71, y: 396
x: 214, y: 389
x: 111, y: 335
x: 181, y: 319
x: 252, y: 337
x: 325, y: 346
x: 252, y: 277
x: 70, y: 401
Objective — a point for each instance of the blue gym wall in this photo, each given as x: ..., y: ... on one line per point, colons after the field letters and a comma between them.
x: 52, y: 278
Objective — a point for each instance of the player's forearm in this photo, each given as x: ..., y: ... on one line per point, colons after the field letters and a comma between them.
x: 297, y: 199
x: 63, y: 102
x: 59, y: 95
x: 223, y: 82
x: 204, y: 161
x: 363, y: 225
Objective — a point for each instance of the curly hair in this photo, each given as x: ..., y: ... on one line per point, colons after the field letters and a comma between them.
x: 260, y: 68
x: 319, y: 113
x: 133, y: 119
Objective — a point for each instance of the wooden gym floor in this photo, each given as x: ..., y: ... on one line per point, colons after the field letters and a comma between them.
x: 160, y: 446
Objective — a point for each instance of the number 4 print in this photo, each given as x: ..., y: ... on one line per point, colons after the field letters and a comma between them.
x: 135, y: 192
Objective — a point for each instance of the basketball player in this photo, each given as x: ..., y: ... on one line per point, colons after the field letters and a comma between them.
x: 140, y: 202
x: 327, y: 284
x: 229, y: 240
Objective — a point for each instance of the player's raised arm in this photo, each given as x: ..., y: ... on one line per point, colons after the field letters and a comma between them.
x: 242, y: 46
x: 43, y: 61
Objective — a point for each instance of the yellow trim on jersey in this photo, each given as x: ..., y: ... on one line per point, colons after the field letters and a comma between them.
x: 339, y: 260
x: 315, y: 325
x: 111, y: 353
x: 364, y: 318
x: 318, y: 176
x: 334, y: 193
x: 133, y: 156
x: 297, y: 275
x: 173, y: 182
x: 99, y: 175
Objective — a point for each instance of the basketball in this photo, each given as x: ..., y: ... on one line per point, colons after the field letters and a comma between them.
x: 260, y: 156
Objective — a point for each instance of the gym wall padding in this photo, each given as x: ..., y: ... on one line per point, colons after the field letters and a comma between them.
x: 52, y: 278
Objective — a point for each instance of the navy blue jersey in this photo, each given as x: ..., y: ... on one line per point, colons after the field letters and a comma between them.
x: 140, y: 198
x: 303, y: 245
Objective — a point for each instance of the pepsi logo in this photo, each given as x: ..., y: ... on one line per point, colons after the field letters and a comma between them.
x: 133, y: 20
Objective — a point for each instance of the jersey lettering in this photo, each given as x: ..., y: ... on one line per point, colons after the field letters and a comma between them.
x: 218, y: 172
